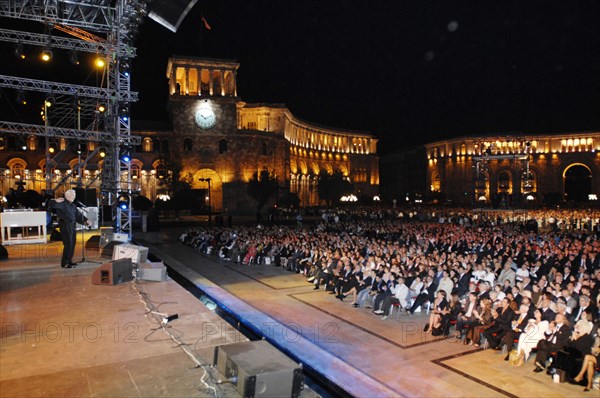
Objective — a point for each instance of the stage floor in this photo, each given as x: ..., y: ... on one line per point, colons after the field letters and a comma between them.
x: 61, y: 336
x: 352, y: 347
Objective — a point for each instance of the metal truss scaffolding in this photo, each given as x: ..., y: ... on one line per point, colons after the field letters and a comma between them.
x: 105, y: 27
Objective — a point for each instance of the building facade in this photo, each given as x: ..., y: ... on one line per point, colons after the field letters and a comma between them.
x: 515, y: 170
x: 216, y: 143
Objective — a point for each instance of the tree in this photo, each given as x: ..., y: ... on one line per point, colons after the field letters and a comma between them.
x: 262, y: 187
x: 332, y: 187
x: 289, y: 200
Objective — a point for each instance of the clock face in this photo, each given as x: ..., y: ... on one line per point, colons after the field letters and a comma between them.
x: 205, y: 117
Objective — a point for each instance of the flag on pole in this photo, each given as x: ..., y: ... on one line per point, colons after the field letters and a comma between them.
x: 206, y: 25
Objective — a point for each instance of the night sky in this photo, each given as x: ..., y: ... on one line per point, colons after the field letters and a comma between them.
x: 407, y: 71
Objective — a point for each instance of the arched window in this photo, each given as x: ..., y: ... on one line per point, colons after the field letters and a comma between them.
x: 436, y: 183
x: 17, y: 167
x: 32, y: 143
x: 529, y: 182
x: 134, y: 170
x: 222, y: 146
x: 147, y: 144
x: 504, y: 182
x: 187, y: 145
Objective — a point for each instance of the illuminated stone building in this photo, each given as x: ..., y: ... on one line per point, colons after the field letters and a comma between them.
x: 515, y: 170
x: 218, y: 140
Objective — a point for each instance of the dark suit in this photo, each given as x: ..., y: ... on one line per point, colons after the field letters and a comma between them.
x: 513, y: 333
x: 502, y: 324
x: 463, y: 284
x: 557, y: 340
x: 67, y: 216
x: 427, y: 295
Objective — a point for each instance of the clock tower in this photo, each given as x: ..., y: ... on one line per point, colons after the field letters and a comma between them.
x: 202, y: 96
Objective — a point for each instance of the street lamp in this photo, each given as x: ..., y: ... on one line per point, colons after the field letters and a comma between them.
x: 208, y: 180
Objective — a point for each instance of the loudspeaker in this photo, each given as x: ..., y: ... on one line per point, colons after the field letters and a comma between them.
x: 137, y: 254
x: 107, y: 251
x: 3, y: 253
x: 259, y: 369
x: 55, y: 235
x: 113, y: 273
x: 153, y: 271
x: 93, y: 243
x: 87, y: 196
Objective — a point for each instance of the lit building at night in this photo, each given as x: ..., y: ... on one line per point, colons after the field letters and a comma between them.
x: 216, y: 143
x: 501, y: 170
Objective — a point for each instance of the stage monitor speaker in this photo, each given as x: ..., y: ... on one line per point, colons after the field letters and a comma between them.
x: 109, y: 248
x: 170, y: 13
x: 156, y: 272
x: 86, y: 196
x: 113, y: 272
x: 259, y: 369
x: 137, y: 254
x: 3, y: 253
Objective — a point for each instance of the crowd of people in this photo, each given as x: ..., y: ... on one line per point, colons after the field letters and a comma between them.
x: 486, y: 278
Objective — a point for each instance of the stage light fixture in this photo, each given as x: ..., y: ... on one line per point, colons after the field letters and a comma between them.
x: 49, y: 102
x: 125, y: 155
x: 102, y: 152
x: 19, y: 51
x: 123, y: 201
x: 124, y: 68
x: 124, y: 112
x: 79, y: 148
x: 100, y: 62
x: 46, y: 55
x: 101, y: 108
x: 74, y: 58
x: 52, y: 147
x: 21, y: 99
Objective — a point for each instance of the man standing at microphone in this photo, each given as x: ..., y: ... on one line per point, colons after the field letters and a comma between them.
x: 68, y: 215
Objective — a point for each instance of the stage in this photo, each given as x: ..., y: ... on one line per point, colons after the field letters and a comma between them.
x: 62, y: 336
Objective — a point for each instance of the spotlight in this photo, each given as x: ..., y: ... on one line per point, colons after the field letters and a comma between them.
x: 102, y: 151
x: 74, y: 58
x: 19, y: 51
x: 101, y: 108
x: 24, y: 147
x: 52, y: 147
x: 123, y: 201
x: 49, y: 102
x: 46, y: 55
x: 78, y: 148
x: 21, y: 98
x: 100, y: 62
x: 125, y: 155
x: 124, y: 68
x: 124, y: 112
